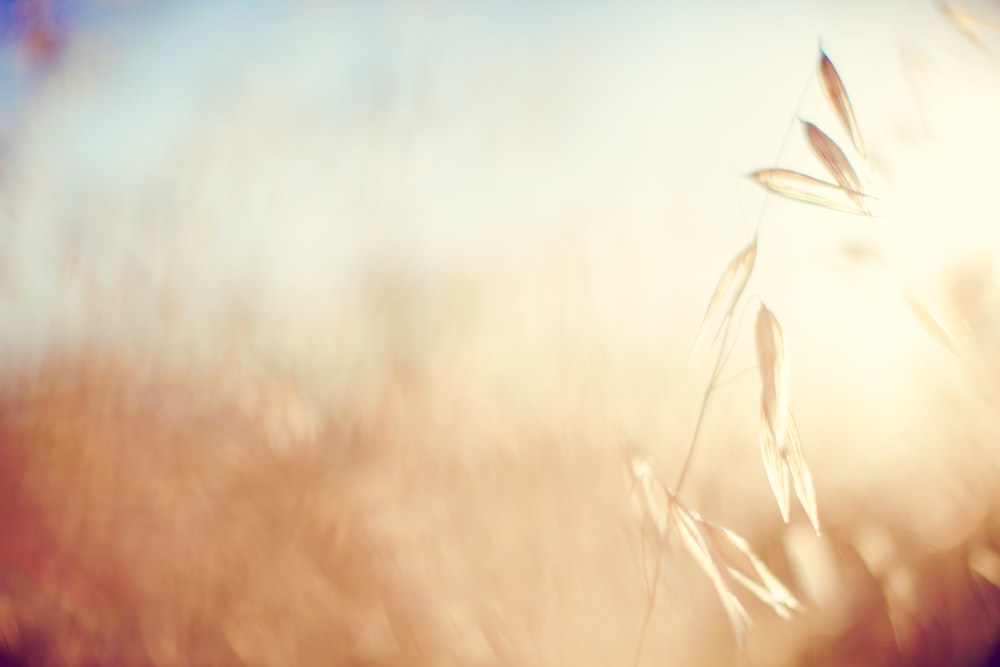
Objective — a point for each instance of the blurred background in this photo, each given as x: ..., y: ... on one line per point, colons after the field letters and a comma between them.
x: 478, y: 239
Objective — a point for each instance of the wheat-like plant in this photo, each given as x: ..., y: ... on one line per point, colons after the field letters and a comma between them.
x: 659, y: 507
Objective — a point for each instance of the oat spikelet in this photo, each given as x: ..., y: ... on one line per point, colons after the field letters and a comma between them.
x: 694, y: 534
x: 836, y: 162
x: 705, y: 542
x: 800, y: 187
x: 774, y: 465
x: 833, y: 157
x: 751, y: 572
x: 785, y: 465
x: 836, y: 93
x: 727, y: 292
x: 969, y: 24
x: 770, y: 343
x: 802, y: 480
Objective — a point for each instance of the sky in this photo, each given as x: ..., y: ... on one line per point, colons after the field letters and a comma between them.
x: 487, y: 121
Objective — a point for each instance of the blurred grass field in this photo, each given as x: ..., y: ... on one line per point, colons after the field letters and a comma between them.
x: 323, y: 326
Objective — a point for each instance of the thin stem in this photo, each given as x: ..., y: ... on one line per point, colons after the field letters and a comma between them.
x: 720, y: 362
x: 650, y: 606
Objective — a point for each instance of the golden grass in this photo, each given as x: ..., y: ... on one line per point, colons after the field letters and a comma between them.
x: 781, y: 447
x: 167, y: 514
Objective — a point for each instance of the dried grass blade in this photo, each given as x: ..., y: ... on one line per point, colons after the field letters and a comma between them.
x: 774, y: 465
x: 969, y: 24
x: 986, y: 563
x: 760, y: 592
x: 727, y: 292
x: 835, y: 161
x: 696, y: 540
x: 754, y: 575
x: 800, y: 187
x: 770, y: 343
x: 932, y: 324
x: 801, y: 476
x: 836, y: 93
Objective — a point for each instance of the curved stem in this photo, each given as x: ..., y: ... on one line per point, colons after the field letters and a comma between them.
x: 650, y: 606
x: 713, y: 384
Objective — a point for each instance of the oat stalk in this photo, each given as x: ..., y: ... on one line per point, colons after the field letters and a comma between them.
x: 713, y: 384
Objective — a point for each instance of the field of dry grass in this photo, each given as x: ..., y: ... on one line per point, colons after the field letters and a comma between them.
x: 417, y: 335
